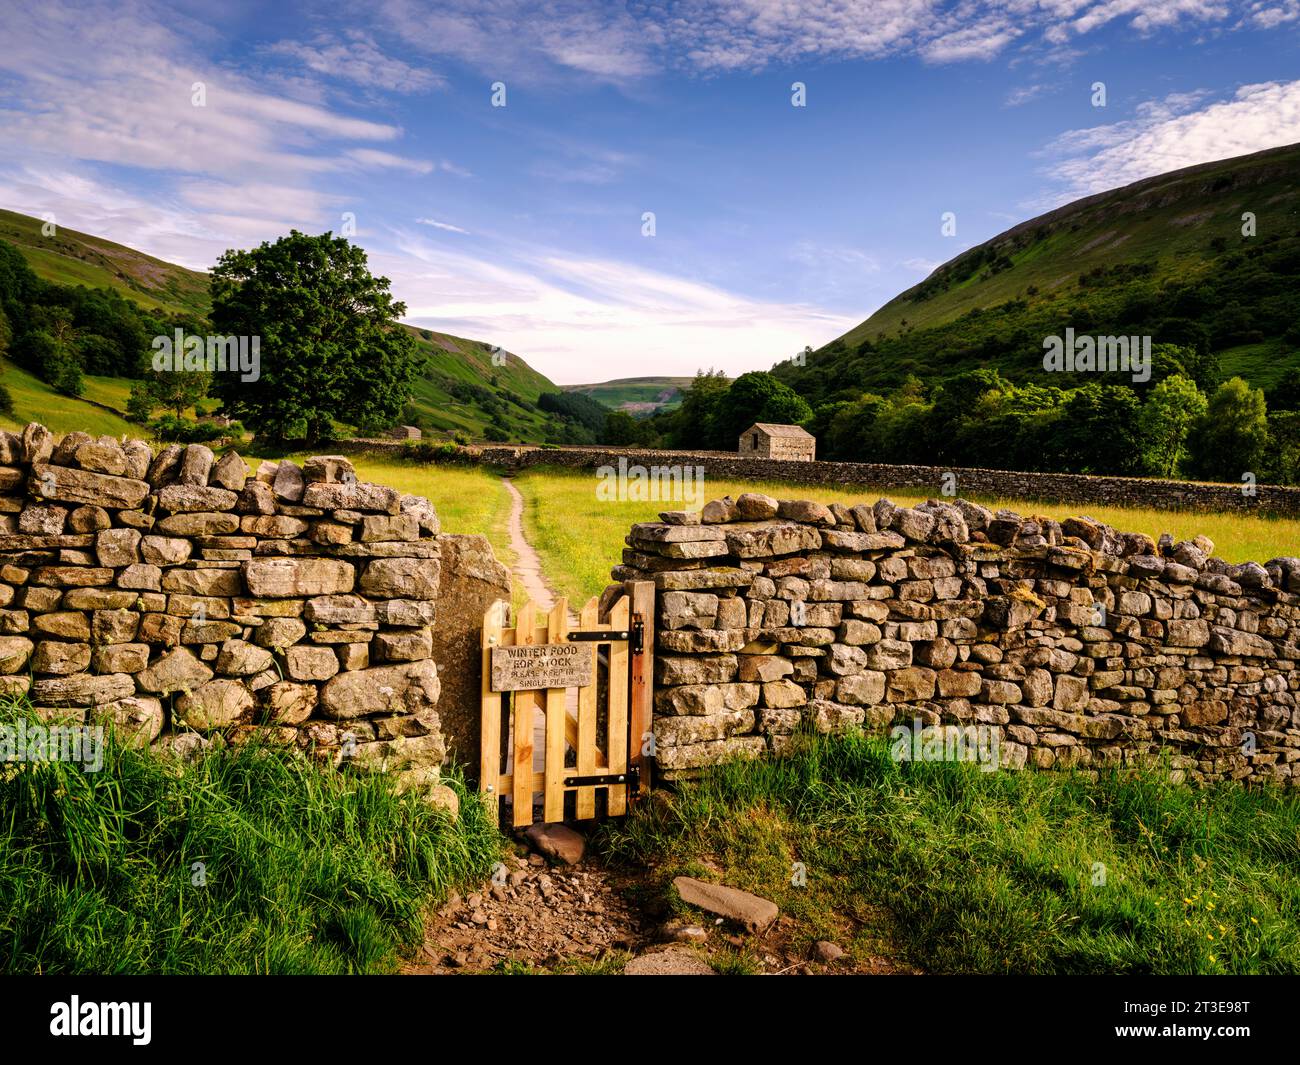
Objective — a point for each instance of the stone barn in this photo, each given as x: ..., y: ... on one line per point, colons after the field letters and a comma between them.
x: 766, y: 441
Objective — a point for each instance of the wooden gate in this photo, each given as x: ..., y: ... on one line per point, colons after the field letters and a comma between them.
x: 584, y: 749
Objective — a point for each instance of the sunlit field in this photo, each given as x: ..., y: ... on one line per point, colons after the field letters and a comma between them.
x: 580, y: 537
x: 468, y: 499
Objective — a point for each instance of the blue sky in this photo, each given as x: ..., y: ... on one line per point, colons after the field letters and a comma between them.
x: 775, y: 226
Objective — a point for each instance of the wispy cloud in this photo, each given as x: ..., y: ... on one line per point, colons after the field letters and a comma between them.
x: 441, y: 225
x: 1173, y: 132
x: 358, y: 59
x: 581, y: 317
x: 621, y: 44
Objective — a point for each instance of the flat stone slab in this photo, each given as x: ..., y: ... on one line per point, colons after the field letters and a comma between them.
x: 558, y: 842
x: 751, y: 911
x: 668, y: 963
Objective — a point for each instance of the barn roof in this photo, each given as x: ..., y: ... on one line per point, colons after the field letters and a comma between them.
x: 780, y: 430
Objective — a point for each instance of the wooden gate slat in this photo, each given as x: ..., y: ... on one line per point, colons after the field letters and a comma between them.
x: 489, y: 774
x: 586, y: 745
x: 557, y: 631
x: 525, y: 705
x: 619, y: 617
x: 642, y: 679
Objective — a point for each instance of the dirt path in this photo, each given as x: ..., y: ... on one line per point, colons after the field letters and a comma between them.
x: 532, y: 915
x: 528, y: 566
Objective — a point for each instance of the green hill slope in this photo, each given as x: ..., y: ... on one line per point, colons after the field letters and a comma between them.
x: 636, y: 395
x: 463, y: 390
x: 72, y: 258
x: 1164, y: 257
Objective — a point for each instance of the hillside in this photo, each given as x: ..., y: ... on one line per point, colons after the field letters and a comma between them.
x: 462, y: 392
x: 1164, y: 256
x: 463, y: 388
x: 72, y: 258
x: 636, y: 395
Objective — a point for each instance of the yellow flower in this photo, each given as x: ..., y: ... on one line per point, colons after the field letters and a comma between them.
x: 1209, y: 905
x: 1254, y: 921
x: 1209, y: 936
x: 1213, y: 958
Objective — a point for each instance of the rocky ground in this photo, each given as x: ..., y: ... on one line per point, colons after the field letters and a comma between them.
x: 553, y: 908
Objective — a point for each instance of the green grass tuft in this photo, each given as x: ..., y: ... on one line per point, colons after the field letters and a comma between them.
x: 960, y: 871
x: 307, y: 870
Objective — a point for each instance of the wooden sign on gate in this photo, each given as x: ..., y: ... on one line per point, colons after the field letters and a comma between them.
x: 543, y: 665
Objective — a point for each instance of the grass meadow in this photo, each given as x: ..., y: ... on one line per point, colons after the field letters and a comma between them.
x: 580, y: 537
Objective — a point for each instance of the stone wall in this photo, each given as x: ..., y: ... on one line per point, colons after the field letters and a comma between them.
x: 175, y: 596
x: 1078, y: 644
x: 968, y: 481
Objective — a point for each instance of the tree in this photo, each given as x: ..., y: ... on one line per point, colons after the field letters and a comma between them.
x: 330, y: 348
x: 622, y: 430
x: 757, y: 397
x: 52, y: 358
x: 1172, y: 408
x: 1230, y: 439
x: 173, y: 390
x: 1286, y: 396
x: 1283, y: 464
x: 694, y: 422
x: 1097, y: 431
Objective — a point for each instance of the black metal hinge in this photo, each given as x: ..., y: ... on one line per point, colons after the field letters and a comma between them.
x: 634, y: 637
x: 631, y: 777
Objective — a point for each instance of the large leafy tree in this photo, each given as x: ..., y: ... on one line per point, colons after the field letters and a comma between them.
x: 757, y: 397
x: 693, y: 423
x: 1174, y: 406
x: 1230, y: 440
x: 330, y: 351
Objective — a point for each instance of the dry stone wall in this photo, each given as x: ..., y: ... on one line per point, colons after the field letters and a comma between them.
x: 1084, y: 489
x: 1080, y: 645
x: 176, y: 596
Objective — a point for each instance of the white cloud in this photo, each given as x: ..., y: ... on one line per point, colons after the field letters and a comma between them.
x: 1172, y: 133
x: 1267, y: 14
x: 583, y: 319
x: 371, y: 157
x: 441, y: 225
x: 1024, y: 94
x: 619, y: 44
x: 357, y: 58
x: 119, y: 85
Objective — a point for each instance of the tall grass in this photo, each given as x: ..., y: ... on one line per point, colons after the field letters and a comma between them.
x: 246, y: 861
x: 969, y: 872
